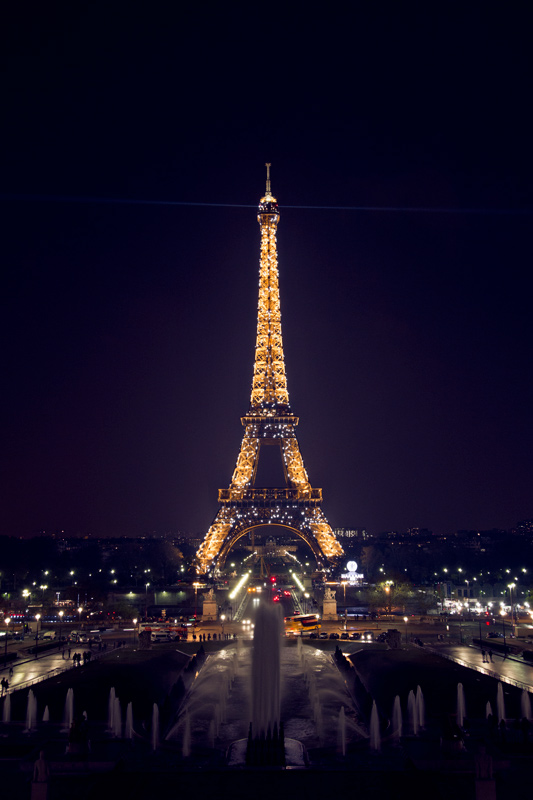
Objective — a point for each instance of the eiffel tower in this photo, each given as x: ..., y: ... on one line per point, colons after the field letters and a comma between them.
x: 269, y: 422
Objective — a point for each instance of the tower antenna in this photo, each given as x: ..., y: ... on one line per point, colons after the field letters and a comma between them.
x: 268, y: 189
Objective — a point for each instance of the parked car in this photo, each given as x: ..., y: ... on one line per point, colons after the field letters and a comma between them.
x: 355, y: 636
x: 345, y: 635
x: 323, y: 635
x: 78, y: 638
x: 334, y: 636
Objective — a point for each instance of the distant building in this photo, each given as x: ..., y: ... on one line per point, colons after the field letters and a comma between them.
x: 524, y: 527
x: 353, y: 534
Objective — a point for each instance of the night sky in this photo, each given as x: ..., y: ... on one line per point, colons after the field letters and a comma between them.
x: 128, y: 328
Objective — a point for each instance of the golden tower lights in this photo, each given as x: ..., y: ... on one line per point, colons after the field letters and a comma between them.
x: 269, y: 422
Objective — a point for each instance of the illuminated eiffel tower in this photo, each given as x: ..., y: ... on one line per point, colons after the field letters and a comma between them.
x: 269, y: 422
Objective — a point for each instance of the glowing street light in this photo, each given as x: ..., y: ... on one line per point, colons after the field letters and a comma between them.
x: 511, y: 586
x: 134, y: 630
x: 405, y: 620
x: 344, y: 584
x: 60, y: 615
x: 196, y: 585
x: 502, y: 612
x: 146, y: 585
x: 37, y: 617
x: 7, y: 621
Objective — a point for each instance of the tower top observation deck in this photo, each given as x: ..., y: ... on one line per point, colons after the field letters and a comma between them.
x: 268, y: 205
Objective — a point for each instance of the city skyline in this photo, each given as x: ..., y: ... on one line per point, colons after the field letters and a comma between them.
x: 129, y: 327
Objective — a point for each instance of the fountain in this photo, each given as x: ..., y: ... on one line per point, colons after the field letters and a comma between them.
x: 342, y: 731
x: 375, y: 738
x: 6, y: 712
x: 128, y: 730
x: 211, y: 733
x: 460, y: 705
x: 397, y: 721
x: 155, y: 727
x: 525, y: 705
x: 31, y: 712
x: 420, y: 708
x: 111, y: 709
x: 412, y: 711
x: 500, y: 703
x: 265, y: 743
x: 46, y: 714
x: 117, y: 720
x: 68, y: 714
x: 488, y: 710
x: 186, y: 742
x: 303, y: 686
x: 266, y: 671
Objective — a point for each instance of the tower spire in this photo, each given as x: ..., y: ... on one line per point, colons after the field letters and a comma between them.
x: 268, y: 189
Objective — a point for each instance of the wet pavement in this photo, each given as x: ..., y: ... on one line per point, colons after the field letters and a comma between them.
x: 28, y: 669
x: 509, y: 669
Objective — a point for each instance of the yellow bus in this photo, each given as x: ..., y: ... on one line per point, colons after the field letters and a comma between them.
x: 301, y: 623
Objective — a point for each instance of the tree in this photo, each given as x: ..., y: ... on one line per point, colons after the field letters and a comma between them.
x: 389, y: 596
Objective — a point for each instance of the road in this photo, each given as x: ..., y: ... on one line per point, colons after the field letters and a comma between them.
x: 28, y: 669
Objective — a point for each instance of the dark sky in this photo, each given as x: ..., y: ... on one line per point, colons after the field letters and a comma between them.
x: 128, y: 330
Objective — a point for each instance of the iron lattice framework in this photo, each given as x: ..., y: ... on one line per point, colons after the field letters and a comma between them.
x: 269, y: 421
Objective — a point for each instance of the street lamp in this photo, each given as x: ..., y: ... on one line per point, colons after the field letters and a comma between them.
x: 37, y: 617
x: 60, y: 621
x: 146, y: 585
x: 405, y: 620
x: 502, y: 612
x: 7, y: 621
x: 511, y: 587
x: 343, y: 584
x: 387, y: 595
x: 134, y: 630
x: 222, y: 619
x: 195, y: 584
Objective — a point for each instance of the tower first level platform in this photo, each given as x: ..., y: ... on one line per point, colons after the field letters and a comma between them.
x: 269, y: 423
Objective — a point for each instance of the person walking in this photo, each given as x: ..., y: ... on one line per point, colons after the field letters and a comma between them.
x: 484, y: 656
x: 490, y: 655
